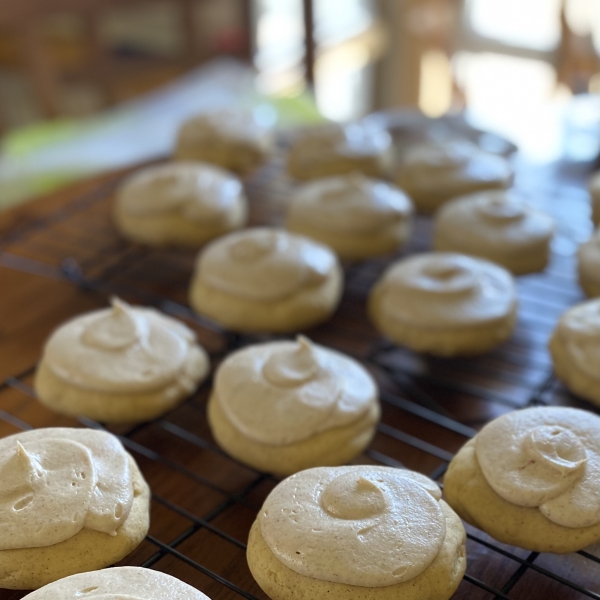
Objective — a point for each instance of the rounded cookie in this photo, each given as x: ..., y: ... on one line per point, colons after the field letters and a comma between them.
x: 119, y: 364
x: 72, y: 500
x: 588, y: 265
x: 357, y: 532
x: 444, y: 304
x: 336, y: 149
x: 357, y: 217
x: 118, y: 584
x: 179, y: 204
x: 281, y: 407
x: 432, y: 174
x: 235, y: 140
x: 498, y: 226
x: 575, y: 350
x: 541, y: 492
x: 266, y: 280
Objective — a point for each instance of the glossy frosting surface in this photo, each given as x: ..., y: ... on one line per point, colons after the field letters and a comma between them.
x: 57, y: 481
x: 124, y: 349
x: 264, y: 264
x: 350, y: 204
x: 367, y: 526
x: 284, y: 392
x: 198, y: 192
x: 545, y: 457
x: 443, y: 289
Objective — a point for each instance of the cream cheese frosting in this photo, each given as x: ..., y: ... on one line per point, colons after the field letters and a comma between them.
x: 367, y: 526
x: 198, y: 192
x: 285, y: 392
x: 125, y: 349
x: 579, y: 331
x: 58, y: 481
x: 264, y: 264
x: 118, y: 583
x: 234, y: 125
x: 495, y: 218
x: 350, y: 204
x: 545, y: 457
x: 442, y: 289
x: 352, y: 139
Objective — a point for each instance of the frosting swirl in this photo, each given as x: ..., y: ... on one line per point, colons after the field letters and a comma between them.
x: 493, y: 218
x: 198, y: 192
x: 351, y: 203
x: 550, y: 459
x: 579, y: 330
x: 359, y: 525
x: 125, y: 349
x: 441, y: 289
x: 57, y: 481
x: 118, y: 583
x: 285, y: 392
x: 264, y: 264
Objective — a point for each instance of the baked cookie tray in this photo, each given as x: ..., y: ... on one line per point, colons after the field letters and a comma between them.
x: 66, y: 258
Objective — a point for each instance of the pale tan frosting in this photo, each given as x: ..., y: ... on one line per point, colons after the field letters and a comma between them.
x: 125, y: 349
x: 285, y: 392
x: 57, y: 481
x: 264, y: 264
x: 579, y: 332
x: 350, y: 204
x: 234, y: 125
x: 355, y: 139
x: 457, y: 159
x: 494, y: 218
x: 118, y: 583
x: 198, y: 192
x: 589, y: 257
x: 545, y: 457
x: 443, y: 289
x: 367, y: 526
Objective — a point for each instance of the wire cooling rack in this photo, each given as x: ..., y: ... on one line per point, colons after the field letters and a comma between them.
x: 204, y: 502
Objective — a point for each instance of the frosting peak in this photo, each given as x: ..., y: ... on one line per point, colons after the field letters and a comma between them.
x: 264, y: 264
x: 358, y: 525
x: 294, y: 366
x: 284, y: 392
x: 124, y: 349
x: 547, y: 458
x: 500, y: 207
x: 55, y: 482
x: 447, y: 275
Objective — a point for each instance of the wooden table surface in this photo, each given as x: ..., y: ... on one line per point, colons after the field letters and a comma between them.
x: 60, y: 256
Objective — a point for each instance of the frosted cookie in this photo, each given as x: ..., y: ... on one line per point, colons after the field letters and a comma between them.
x: 119, y: 364
x: 357, y: 532
x: 531, y: 478
x: 495, y: 225
x: 72, y: 500
x: 445, y: 304
x: 266, y: 280
x: 355, y: 216
x: 335, y: 149
x: 575, y: 350
x: 281, y: 407
x: 234, y: 140
x: 432, y: 173
x: 180, y: 203
x: 588, y: 261
x: 594, y: 188
x: 120, y: 583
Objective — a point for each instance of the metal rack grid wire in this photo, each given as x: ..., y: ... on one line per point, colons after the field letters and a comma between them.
x: 203, y: 501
